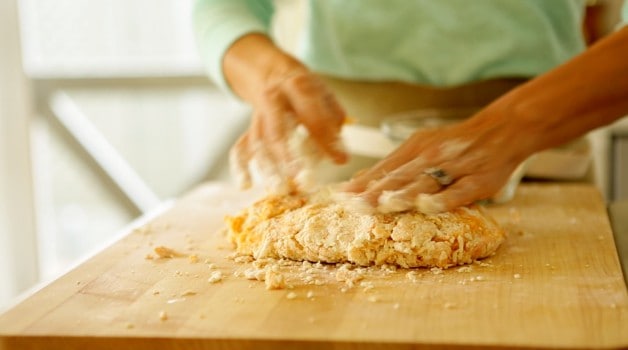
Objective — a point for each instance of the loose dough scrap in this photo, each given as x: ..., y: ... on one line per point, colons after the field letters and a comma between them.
x: 317, y: 228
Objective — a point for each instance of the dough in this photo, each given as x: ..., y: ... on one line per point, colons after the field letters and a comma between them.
x: 318, y: 228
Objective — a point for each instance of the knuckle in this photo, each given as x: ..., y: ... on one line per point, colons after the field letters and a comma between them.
x: 318, y: 131
x: 271, y: 93
x: 304, y: 83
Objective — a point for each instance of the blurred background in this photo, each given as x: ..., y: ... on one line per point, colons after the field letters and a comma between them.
x: 106, y: 116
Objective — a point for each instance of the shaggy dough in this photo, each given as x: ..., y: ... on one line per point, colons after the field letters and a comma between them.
x: 318, y: 228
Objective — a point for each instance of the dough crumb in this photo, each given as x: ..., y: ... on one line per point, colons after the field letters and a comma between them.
x: 291, y: 295
x: 367, y: 286
x: 254, y: 274
x: 241, y: 259
x: 436, y: 270
x: 273, y: 279
x: 163, y: 315
x: 261, y: 263
x: 450, y: 305
x: 388, y: 268
x: 193, y: 259
x: 346, y: 274
x: 412, y: 276
x: 167, y: 253
x: 215, y: 277
x: 516, y: 276
x: 188, y: 293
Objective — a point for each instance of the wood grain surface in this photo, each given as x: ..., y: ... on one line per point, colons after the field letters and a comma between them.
x: 555, y: 283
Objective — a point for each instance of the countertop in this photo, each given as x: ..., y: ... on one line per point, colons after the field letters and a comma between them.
x: 555, y: 283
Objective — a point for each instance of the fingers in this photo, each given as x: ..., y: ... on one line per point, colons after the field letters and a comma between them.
x: 429, y: 197
x: 463, y: 192
x: 273, y: 124
x: 277, y: 132
x: 396, y: 179
x: 272, y: 142
x: 319, y: 111
x: 263, y: 160
x: 239, y: 158
x: 406, y: 198
x: 308, y: 155
x: 362, y: 180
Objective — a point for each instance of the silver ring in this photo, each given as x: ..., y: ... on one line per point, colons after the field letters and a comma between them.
x: 439, y: 175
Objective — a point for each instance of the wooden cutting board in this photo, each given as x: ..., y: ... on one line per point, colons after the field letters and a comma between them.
x: 555, y: 283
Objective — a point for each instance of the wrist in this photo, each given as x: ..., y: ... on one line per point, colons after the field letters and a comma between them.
x: 253, y: 62
x: 507, y: 125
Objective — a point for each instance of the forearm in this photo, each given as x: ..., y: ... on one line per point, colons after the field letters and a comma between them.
x: 252, y: 62
x: 218, y: 24
x: 587, y: 92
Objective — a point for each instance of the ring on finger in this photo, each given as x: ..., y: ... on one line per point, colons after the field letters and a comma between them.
x: 439, y: 175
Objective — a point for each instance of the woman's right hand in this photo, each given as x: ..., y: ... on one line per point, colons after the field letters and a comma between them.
x: 284, y: 94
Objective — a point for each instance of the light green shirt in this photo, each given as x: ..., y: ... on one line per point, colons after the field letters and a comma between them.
x: 431, y: 42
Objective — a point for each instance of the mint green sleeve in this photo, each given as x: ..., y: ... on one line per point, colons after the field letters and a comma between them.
x: 624, y: 14
x: 219, y: 23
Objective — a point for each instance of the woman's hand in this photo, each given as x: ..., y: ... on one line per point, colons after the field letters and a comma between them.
x: 284, y: 95
x: 439, y: 169
x: 479, y: 155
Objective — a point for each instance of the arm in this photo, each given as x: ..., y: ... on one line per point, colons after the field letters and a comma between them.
x: 283, y: 93
x: 479, y: 154
x: 587, y: 92
x: 219, y: 23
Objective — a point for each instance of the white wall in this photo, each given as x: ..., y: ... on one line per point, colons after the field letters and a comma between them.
x: 18, y: 254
